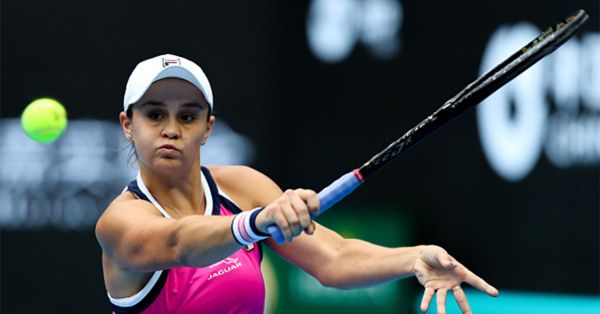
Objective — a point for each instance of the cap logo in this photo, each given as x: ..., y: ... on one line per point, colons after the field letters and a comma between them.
x: 167, y: 62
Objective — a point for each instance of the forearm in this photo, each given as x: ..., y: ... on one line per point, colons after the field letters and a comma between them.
x: 194, y: 241
x: 202, y: 241
x: 359, y: 264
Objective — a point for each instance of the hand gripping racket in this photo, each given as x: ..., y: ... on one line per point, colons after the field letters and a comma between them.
x: 473, y: 94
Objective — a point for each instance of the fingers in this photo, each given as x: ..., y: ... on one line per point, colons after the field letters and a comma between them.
x: 443, y: 272
x: 441, y: 295
x: 279, y: 219
x: 297, y: 214
x: 446, y: 261
x: 427, y: 296
x: 461, y: 300
x: 311, y: 199
x: 480, y: 284
x: 441, y: 301
x: 292, y: 212
x: 475, y: 281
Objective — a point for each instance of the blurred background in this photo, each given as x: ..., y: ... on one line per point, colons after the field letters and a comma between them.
x: 304, y: 92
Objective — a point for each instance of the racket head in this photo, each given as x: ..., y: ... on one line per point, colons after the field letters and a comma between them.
x: 541, y: 46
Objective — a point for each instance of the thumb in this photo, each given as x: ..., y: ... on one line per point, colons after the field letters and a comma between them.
x: 263, y: 220
x: 446, y: 261
x: 310, y: 230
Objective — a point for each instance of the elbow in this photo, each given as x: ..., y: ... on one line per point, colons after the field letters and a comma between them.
x: 325, y: 277
x: 330, y: 272
x: 335, y: 283
x: 326, y: 282
x: 335, y: 275
x: 144, y: 260
x: 151, y: 256
x: 332, y: 278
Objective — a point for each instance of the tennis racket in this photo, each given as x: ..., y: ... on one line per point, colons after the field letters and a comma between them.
x: 470, y: 96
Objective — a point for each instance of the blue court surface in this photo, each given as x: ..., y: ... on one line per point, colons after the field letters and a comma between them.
x: 522, y: 303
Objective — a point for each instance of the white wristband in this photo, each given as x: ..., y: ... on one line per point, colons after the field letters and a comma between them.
x: 242, y: 230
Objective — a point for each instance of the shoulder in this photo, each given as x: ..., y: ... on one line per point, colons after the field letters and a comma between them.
x: 237, y: 174
x: 122, y: 211
x: 247, y: 186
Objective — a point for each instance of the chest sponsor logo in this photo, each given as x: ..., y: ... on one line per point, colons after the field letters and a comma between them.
x: 225, y: 266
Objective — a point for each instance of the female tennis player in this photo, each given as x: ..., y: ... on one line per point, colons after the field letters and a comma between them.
x: 183, y: 238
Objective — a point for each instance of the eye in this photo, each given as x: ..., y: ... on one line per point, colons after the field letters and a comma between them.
x: 188, y: 117
x: 155, y: 115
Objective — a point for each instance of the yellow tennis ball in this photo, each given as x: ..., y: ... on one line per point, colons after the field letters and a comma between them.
x: 44, y: 120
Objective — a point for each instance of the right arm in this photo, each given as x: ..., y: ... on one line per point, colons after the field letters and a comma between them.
x: 135, y: 237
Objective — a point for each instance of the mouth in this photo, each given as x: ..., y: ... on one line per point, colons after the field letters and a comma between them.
x: 168, y: 147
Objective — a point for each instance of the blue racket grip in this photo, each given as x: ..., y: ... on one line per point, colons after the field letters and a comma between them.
x: 328, y: 197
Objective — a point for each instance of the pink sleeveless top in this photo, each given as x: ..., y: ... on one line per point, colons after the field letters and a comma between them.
x: 233, y: 285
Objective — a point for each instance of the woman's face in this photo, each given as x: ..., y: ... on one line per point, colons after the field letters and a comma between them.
x: 168, y: 125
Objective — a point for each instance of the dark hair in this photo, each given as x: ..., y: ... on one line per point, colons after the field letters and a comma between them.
x: 133, y: 156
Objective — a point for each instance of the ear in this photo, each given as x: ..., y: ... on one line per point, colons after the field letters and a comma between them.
x: 126, y: 125
x: 209, y: 127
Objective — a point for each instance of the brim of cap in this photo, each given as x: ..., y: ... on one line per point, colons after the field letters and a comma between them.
x: 173, y: 71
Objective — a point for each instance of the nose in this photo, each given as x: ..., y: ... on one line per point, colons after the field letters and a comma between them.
x: 171, y: 129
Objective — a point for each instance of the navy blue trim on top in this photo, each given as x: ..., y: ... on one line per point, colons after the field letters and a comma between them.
x: 229, y: 205
x: 218, y: 199
x: 147, y: 300
x: 135, y: 189
x: 214, y: 192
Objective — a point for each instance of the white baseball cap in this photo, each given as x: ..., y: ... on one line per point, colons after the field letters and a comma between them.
x: 160, y: 67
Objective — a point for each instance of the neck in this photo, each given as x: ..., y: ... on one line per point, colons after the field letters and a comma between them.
x: 178, y: 195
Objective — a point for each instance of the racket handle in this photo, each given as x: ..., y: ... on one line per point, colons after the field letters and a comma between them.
x: 328, y: 197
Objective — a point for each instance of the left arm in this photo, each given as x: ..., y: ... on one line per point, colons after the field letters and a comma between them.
x: 333, y: 260
x: 347, y: 263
